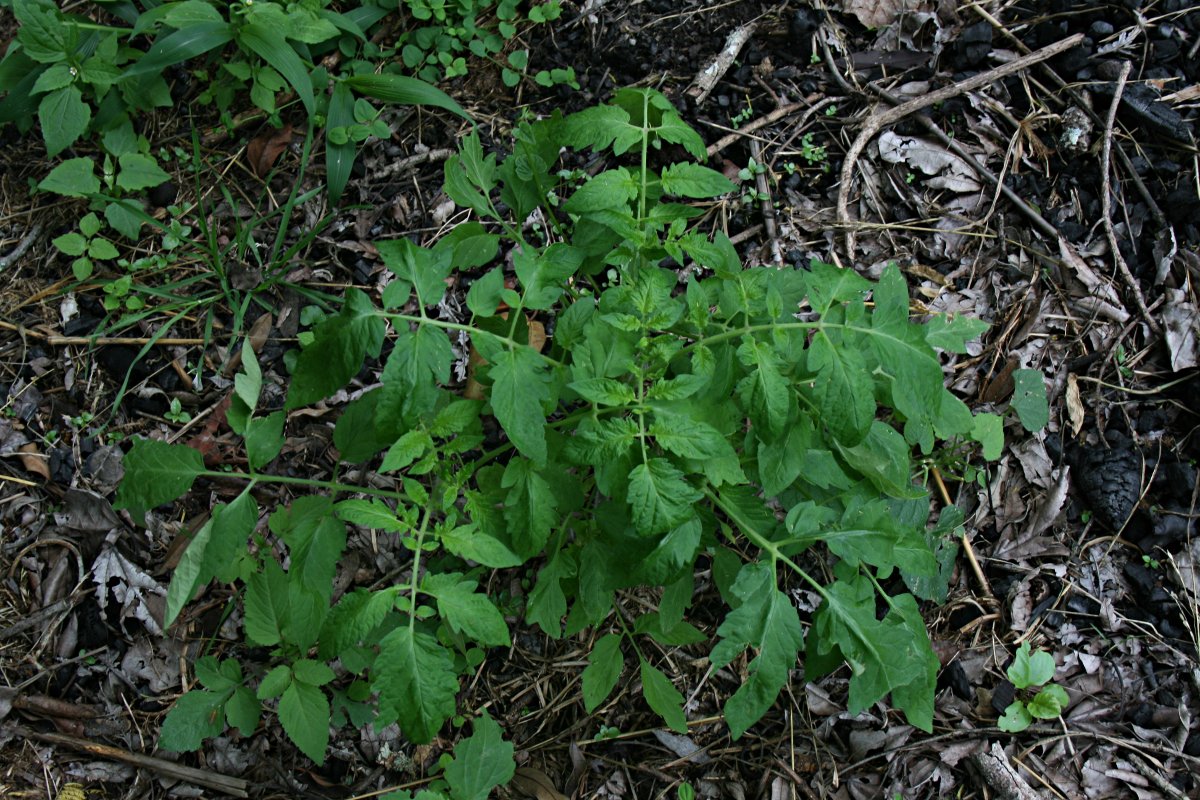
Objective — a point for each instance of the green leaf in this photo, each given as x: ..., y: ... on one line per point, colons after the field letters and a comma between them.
x: 483, y: 298
x: 341, y: 343
x: 543, y: 274
x: 270, y: 45
x: 659, y: 497
x: 339, y: 156
x: 518, y: 392
x: 604, y: 391
x: 1029, y: 399
x: 194, y: 40
x: 1016, y: 718
x: 139, y: 171
x: 405, y: 91
x: 126, y: 216
x: 70, y: 244
x: 355, y: 616
x: 43, y: 34
x: 600, y: 676
x: 688, y: 437
x: 467, y: 541
x: 422, y: 268
x: 232, y: 525
x: 196, y: 716
x: 55, y: 77
x: 75, y: 177
x: 243, y: 710
x: 764, y: 391
x: 663, y: 697
x: 1049, y: 702
x: 842, y: 388
x: 304, y: 714
x: 373, y: 513
x: 766, y: 620
x: 102, y: 250
x: 312, y: 672
x: 264, y: 439
x: 274, y: 682
x: 466, y: 610
x: 315, y: 540
x: 1031, y: 669
x: 692, y: 180
x: 186, y: 576
x: 615, y: 188
x: 417, y: 684
x: 407, y: 449
x: 267, y: 606
x: 988, y: 430
x: 481, y: 762
x: 419, y: 357
x: 156, y: 473
x: 247, y: 383
x: 64, y: 117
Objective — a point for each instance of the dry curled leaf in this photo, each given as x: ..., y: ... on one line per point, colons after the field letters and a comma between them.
x: 878, y: 13
x: 34, y: 461
x: 264, y: 149
x: 534, y: 783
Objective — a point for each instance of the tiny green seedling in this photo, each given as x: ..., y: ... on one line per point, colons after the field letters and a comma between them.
x: 1031, y: 674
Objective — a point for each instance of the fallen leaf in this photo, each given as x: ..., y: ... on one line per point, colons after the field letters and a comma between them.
x: 534, y: 783
x: 929, y: 157
x: 1181, y: 325
x: 878, y: 13
x: 33, y: 460
x: 264, y: 149
x: 140, y: 596
x: 1074, y: 405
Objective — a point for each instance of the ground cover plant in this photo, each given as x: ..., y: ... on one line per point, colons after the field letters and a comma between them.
x: 751, y: 416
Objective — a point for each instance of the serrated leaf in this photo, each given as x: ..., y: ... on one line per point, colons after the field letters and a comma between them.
x: 424, y: 269
x: 614, y: 188
x: 417, y: 685
x: 766, y: 620
x: 466, y: 610
x: 764, y: 391
x: 483, y: 298
x: 659, y: 497
x: 600, y: 676
x: 518, y: 391
x: 373, y: 513
x: 680, y: 387
x: 70, y: 244
x: 419, y: 357
x: 692, y: 180
x: 64, y: 117
x: 266, y: 603
x: 355, y: 615
x: 232, y: 525
x: 1029, y: 399
x: 274, y: 682
x: 186, y: 576
x: 243, y: 710
x: 842, y: 388
x: 75, y: 177
x: 988, y: 430
x: 688, y: 437
x: 312, y: 672
x: 156, y: 473
x: 481, y: 762
x: 662, y: 696
x: 139, y: 171
x: 304, y: 714
x: 264, y: 439
x: 196, y: 716
x: 470, y: 543
x: 543, y: 273
x: 341, y: 343
x: 604, y: 391
x: 315, y: 540
x: 407, y: 449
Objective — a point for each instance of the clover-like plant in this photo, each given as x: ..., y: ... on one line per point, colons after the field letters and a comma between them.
x: 753, y: 422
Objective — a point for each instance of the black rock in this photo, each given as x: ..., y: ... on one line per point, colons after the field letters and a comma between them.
x: 1110, y: 482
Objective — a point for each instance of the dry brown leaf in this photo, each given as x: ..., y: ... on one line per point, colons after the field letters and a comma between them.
x: 33, y: 460
x: 878, y: 13
x: 1075, y: 411
x: 264, y: 149
x: 534, y: 783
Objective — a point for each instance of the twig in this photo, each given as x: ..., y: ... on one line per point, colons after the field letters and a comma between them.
x: 1155, y: 776
x: 1031, y: 213
x: 22, y: 246
x: 1106, y: 199
x: 200, y: 777
x: 968, y: 550
x: 880, y: 119
x: 768, y: 207
x: 750, y: 127
x: 412, y: 161
x: 1000, y: 775
x: 716, y: 69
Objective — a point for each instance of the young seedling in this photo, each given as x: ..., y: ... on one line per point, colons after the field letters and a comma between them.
x: 1037, y: 698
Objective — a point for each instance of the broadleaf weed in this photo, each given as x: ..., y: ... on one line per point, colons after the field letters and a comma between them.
x: 660, y: 427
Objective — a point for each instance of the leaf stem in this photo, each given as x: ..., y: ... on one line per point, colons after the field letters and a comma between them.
x: 416, y: 571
